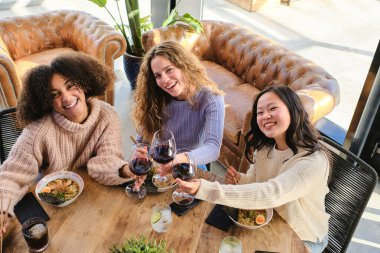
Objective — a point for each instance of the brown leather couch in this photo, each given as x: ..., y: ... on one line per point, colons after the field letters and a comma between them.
x: 243, y: 63
x: 28, y: 41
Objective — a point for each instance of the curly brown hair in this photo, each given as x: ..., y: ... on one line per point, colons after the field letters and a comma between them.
x: 151, y: 100
x: 86, y: 72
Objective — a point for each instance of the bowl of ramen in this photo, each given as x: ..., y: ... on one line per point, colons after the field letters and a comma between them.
x: 59, y: 188
x: 251, y: 219
x: 163, y: 183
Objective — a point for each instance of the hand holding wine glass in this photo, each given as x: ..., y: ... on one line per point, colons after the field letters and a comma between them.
x: 184, y: 168
x: 163, y: 151
x: 139, y: 164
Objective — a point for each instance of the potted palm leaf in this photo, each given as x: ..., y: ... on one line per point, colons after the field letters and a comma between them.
x: 136, y: 26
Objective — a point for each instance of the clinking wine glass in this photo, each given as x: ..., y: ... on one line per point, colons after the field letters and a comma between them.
x: 163, y: 150
x: 138, y: 165
x: 184, y: 170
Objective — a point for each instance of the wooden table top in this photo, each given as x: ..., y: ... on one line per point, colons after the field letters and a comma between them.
x: 103, y: 216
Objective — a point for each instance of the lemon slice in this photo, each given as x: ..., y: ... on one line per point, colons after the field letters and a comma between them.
x: 156, y: 216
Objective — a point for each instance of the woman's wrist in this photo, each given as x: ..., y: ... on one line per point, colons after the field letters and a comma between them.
x: 124, y: 171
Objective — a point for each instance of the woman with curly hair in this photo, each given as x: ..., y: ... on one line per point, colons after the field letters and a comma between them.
x: 66, y: 127
x: 289, y: 170
x: 174, y: 93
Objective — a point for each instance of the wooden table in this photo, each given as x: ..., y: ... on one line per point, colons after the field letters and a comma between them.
x: 103, y: 216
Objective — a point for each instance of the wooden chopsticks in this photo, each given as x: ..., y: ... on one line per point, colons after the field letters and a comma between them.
x: 133, y: 139
x: 229, y: 165
x: 3, y: 220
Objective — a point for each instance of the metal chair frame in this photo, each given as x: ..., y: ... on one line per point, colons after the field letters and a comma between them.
x: 351, y: 184
x: 9, y: 132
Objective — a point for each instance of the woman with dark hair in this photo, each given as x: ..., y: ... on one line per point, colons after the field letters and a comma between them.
x: 174, y: 93
x: 66, y: 127
x: 289, y: 170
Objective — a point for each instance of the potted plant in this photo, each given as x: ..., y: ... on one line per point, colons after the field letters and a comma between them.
x: 141, y: 245
x: 136, y: 27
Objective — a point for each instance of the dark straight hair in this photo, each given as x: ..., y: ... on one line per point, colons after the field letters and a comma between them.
x: 301, y: 133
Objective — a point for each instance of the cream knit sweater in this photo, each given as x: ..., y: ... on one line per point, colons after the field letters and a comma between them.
x: 54, y: 143
x: 294, y: 185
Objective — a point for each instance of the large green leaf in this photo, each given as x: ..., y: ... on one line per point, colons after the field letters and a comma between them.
x: 100, y: 3
x: 187, y: 18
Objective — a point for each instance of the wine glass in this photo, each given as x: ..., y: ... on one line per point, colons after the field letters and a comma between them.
x: 184, y: 170
x: 138, y: 165
x: 163, y: 150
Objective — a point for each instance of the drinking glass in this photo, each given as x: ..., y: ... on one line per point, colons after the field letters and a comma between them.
x: 138, y: 165
x: 35, y: 232
x: 163, y: 151
x: 230, y: 244
x: 184, y: 170
x: 161, y: 217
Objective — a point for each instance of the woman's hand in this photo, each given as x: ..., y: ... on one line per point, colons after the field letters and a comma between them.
x: 232, y: 176
x: 140, y: 152
x: 167, y: 168
x: 126, y: 172
x: 190, y: 186
x: 6, y: 224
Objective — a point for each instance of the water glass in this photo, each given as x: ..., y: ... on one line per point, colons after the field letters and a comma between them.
x: 231, y: 244
x: 35, y: 232
x: 161, y: 217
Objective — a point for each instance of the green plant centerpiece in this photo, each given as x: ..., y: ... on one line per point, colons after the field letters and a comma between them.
x: 136, y: 26
x: 141, y: 245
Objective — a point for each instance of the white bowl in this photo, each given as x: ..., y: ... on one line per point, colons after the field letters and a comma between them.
x: 269, y: 216
x: 57, y: 175
x: 162, y: 189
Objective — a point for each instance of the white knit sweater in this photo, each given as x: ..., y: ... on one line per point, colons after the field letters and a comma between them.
x: 54, y: 143
x: 294, y: 185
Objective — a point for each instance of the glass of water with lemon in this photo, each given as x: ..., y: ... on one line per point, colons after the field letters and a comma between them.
x: 161, y: 217
x: 230, y: 244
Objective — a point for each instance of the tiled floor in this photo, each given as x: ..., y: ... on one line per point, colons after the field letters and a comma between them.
x: 339, y: 35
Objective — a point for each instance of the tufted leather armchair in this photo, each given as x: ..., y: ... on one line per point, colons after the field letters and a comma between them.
x: 243, y: 63
x: 28, y: 41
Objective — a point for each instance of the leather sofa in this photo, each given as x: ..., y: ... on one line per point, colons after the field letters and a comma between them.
x: 243, y: 63
x: 28, y: 41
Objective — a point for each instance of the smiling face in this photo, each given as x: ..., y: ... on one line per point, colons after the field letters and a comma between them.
x: 169, y: 78
x: 273, y: 118
x: 68, y: 99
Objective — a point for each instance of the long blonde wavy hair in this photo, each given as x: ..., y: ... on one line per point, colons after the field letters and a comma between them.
x: 148, y: 114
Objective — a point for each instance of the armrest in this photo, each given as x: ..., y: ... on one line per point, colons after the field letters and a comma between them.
x: 9, y: 80
x: 93, y: 36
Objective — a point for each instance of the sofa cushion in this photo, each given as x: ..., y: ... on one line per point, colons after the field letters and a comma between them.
x: 238, y: 102
x: 221, y: 76
x: 24, y: 64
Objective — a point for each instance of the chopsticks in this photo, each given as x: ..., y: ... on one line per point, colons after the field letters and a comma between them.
x: 133, y: 139
x: 229, y: 165
x: 3, y: 220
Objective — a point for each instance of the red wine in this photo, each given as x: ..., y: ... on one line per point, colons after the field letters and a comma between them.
x: 184, y: 171
x: 163, y: 154
x: 140, y: 166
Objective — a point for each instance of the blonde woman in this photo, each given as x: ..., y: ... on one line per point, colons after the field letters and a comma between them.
x: 174, y: 93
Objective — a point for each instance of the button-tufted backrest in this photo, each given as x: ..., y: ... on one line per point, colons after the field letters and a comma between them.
x: 28, y: 35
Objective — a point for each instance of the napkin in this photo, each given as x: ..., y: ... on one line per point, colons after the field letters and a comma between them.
x: 219, y: 218
x: 29, y: 207
x: 183, y: 209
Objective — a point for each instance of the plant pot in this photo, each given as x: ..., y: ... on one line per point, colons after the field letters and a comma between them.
x: 131, y: 67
